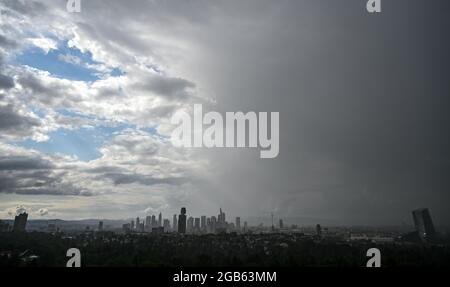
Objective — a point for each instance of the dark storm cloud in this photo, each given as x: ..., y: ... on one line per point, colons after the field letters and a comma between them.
x: 363, y: 102
x: 33, y: 175
x: 6, y: 82
x: 23, y: 163
x: 171, y: 88
x: 122, y: 178
x: 11, y: 122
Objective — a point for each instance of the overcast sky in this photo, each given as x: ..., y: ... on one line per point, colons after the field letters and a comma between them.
x: 86, y: 100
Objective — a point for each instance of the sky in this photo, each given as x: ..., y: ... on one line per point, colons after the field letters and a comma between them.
x: 86, y: 101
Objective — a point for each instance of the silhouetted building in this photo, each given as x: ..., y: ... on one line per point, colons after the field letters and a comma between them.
x: 424, y: 224
x: 153, y: 221
x: 166, y: 225
x: 203, y: 223
x: 197, y: 225
x: 138, y: 223
x: 281, y: 223
x: 20, y: 222
x: 238, y: 223
x: 318, y: 230
x: 160, y: 220
x: 174, y: 223
x: 148, y: 222
x: 190, y: 225
x: 182, y: 221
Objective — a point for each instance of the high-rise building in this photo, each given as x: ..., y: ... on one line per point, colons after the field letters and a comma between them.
x: 153, y: 221
x: 281, y: 223
x: 197, y: 225
x: 424, y: 224
x: 213, y: 224
x: 132, y: 224
x: 182, y: 221
x: 100, y: 226
x: 238, y: 223
x: 203, y: 223
x: 160, y: 220
x: 174, y: 223
x: 138, y: 223
x: 166, y: 225
x: 148, y: 222
x: 20, y: 222
x: 190, y: 225
x: 245, y: 226
x: 318, y: 230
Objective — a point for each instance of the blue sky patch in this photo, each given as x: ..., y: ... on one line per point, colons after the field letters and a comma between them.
x: 65, y: 62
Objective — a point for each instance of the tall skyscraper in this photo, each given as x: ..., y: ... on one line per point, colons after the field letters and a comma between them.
x: 319, y: 230
x: 148, y: 222
x: 182, y: 221
x: 174, y: 223
x: 166, y: 225
x: 281, y: 223
x: 238, y: 223
x: 153, y: 221
x: 138, y: 223
x: 190, y: 225
x: 203, y: 223
x: 424, y: 224
x: 20, y: 222
x: 197, y: 225
x: 160, y: 219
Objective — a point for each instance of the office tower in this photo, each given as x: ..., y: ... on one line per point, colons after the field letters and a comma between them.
x: 174, y: 223
x: 245, y: 226
x: 213, y: 224
x: 208, y: 225
x: 166, y: 225
x: 238, y: 223
x: 132, y: 224
x: 182, y: 221
x: 281, y: 223
x: 190, y: 225
x: 203, y: 223
x: 138, y: 223
x: 160, y: 220
x: 197, y: 225
x: 154, y: 221
x: 319, y: 230
x: 148, y: 222
x: 424, y: 224
x: 100, y: 226
x: 20, y: 222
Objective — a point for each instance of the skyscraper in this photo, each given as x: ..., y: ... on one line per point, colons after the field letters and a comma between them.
x: 153, y: 221
x: 190, y: 225
x: 197, y: 225
x: 174, y: 223
x: 166, y: 225
x: 160, y: 220
x: 138, y: 224
x: 424, y: 224
x: 319, y: 230
x: 238, y: 223
x: 182, y: 221
x: 148, y: 222
x: 20, y: 222
x: 203, y: 223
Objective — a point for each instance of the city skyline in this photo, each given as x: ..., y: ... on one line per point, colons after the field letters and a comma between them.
x: 86, y: 101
